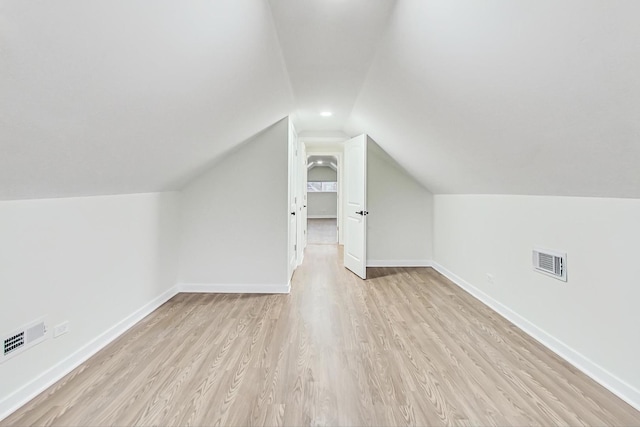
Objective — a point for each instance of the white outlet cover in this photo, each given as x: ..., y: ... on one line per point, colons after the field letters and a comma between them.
x: 61, y: 329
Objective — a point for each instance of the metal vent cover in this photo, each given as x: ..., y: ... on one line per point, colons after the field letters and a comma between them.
x: 13, y: 343
x: 552, y: 263
x: 23, y: 338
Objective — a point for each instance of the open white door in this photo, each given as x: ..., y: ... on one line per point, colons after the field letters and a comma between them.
x: 302, y: 161
x: 355, y: 180
x: 293, y: 175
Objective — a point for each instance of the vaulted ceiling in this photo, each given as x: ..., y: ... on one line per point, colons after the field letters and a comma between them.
x: 328, y: 47
x: 125, y: 96
x: 524, y: 97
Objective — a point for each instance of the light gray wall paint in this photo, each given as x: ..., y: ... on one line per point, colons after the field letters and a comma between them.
x: 234, y: 218
x: 399, y: 224
x: 322, y: 205
x: 323, y: 174
x: 595, y: 312
x: 93, y: 261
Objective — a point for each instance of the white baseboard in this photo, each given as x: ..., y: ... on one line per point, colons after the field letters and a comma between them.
x: 20, y: 397
x: 215, y: 288
x: 399, y: 263
x: 322, y: 217
x: 617, y: 386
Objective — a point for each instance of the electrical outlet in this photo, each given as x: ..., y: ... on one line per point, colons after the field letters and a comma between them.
x: 490, y: 279
x: 61, y: 329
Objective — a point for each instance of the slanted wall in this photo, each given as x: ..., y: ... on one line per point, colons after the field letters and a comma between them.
x: 234, y: 218
x: 400, y: 223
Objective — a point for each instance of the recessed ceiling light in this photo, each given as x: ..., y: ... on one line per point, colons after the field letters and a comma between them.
x: 326, y: 114
x: 319, y: 162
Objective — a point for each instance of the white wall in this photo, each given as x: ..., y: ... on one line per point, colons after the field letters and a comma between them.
x: 399, y: 224
x: 234, y: 218
x: 322, y: 174
x: 322, y: 205
x: 594, y: 315
x: 93, y: 261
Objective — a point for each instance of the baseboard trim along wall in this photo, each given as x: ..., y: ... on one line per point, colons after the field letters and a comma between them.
x: 30, y: 390
x: 620, y: 388
x: 399, y: 263
x: 215, y: 288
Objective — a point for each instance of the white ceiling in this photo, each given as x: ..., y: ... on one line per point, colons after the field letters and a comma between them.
x: 314, y: 161
x: 328, y: 46
x: 512, y: 97
x: 125, y: 96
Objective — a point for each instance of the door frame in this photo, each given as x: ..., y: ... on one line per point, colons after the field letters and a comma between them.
x: 302, y: 200
x: 292, y: 202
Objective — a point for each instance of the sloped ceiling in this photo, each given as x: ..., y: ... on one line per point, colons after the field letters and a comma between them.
x: 514, y: 97
x: 328, y: 46
x: 322, y: 161
x: 125, y: 96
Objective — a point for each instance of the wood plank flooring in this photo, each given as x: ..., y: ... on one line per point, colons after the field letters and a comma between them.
x: 322, y: 230
x: 403, y: 348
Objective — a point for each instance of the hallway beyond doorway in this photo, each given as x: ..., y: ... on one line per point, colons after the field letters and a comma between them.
x: 322, y: 231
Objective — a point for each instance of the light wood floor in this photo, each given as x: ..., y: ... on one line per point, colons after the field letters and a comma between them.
x: 322, y: 231
x: 405, y: 347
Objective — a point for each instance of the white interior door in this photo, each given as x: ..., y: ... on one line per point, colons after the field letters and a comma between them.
x: 302, y: 161
x: 293, y: 224
x: 355, y: 194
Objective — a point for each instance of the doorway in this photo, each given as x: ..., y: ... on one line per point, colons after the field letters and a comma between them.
x: 322, y: 199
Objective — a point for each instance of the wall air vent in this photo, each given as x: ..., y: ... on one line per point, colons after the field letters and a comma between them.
x: 551, y: 263
x: 13, y: 343
x: 23, y: 338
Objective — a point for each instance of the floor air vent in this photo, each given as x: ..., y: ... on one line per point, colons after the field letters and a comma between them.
x: 19, y: 340
x: 551, y: 263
